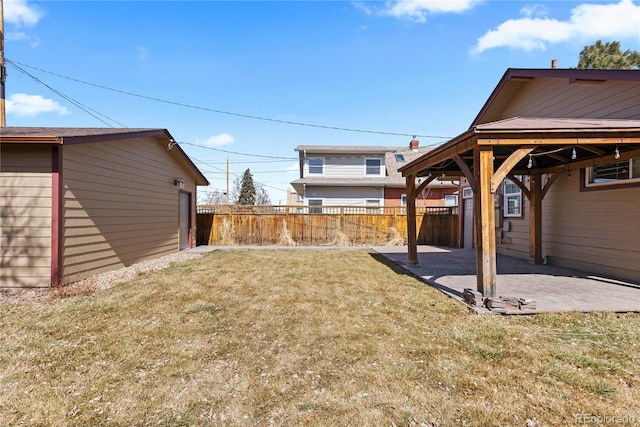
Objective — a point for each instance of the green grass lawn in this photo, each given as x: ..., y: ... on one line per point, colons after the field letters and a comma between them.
x: 305, y: 338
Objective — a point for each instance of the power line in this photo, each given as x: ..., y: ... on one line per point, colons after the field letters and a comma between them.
x: 237, y: 152
x: 229, y: 113
x: 249, y: 162
x: 239, y: 176
x: 75, y: 102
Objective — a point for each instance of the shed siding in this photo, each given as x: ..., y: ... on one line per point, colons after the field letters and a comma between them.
x: 120, y: 205
x: 559, y: 98
x: 595, y: 231
x: 25, y: 219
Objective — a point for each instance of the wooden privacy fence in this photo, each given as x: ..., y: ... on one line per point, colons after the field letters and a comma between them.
x: 322, y: 225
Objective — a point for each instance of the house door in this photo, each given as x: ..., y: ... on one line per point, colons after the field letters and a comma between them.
x: 185, y: 220
x: 467, y: 221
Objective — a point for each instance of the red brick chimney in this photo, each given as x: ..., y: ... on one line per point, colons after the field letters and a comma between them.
x: 414, y: 143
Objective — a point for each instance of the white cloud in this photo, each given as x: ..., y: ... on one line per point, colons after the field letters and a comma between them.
x: 20, y: 36
x: 22, y: 104
x: 294, y: 167
x: 222, y: 139
x: 532, y: 10
x: 587, y: 22
x: 20, y: 12
x: 418, y: 10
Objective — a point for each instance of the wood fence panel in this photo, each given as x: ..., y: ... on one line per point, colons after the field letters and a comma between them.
x: 264, y: 227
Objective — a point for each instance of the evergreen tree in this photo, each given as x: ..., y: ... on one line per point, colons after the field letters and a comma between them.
x: 608, y: 56
x: 247, y: 194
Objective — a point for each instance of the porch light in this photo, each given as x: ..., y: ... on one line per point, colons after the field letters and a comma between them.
x: 617, y: 153
x: 574, y: 154
x: 530, y: 164
x: 179, y: 182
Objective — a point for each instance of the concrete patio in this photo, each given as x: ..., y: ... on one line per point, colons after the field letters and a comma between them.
x: 554, y: 289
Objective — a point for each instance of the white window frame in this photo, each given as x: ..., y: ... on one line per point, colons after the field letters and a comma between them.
x: 309, y: 160
x: 380, y: 165
x: 517, y: 195
x: 632, y: 178
x: 373, y: 207
x: 467, y: 193
x: 403, y: 200
x: 315, y: 208
x: 453, y: 197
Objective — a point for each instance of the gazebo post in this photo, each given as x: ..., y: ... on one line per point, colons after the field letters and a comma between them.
x: 485, y: 223
x: 412, y: 239
x: 535, y: 217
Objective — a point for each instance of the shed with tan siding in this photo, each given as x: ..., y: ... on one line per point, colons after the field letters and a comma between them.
x: 80, y: 201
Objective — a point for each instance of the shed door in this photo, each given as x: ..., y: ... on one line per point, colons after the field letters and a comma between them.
x: 185, y: 220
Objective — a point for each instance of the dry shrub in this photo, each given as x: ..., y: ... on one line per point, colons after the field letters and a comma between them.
x: 340, y: 239
x: 82, y: 287
x: 284, y: 238
x: 394, y: 238
x: 227, y: 233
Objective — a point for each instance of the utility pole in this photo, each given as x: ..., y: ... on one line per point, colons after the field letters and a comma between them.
x: 227, y: 178
x: 3, y: 70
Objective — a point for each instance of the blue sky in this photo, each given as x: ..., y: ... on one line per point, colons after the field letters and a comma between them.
x: 413, y: 67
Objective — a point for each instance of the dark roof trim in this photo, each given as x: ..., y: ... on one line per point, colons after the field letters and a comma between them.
x: 102, y: 137
x: 346, y: 149
x: 572, y: 74
x: 72, y: 136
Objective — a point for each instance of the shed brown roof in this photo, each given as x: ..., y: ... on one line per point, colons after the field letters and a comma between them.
x: 64, y: 136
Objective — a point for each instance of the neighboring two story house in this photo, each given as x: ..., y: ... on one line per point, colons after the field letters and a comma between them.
x: 365, y: 176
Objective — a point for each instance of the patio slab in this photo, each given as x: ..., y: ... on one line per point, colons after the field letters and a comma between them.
x: 553, y: 288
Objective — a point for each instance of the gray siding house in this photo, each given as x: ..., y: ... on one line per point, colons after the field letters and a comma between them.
x: 361, y: 176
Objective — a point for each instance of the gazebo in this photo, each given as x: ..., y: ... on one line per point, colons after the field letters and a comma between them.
x: 541, y: 148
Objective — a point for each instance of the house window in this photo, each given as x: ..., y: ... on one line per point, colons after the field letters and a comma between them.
x: 512, y: 199
x: 316, y: 166
x: 373, y: 167
x: 614, y: 173
x: 451, y: 200
x: 467, y: 193
x: 372, y: 205
x: 403, y: 200
x: 315, y: 202
x: 399, y: 158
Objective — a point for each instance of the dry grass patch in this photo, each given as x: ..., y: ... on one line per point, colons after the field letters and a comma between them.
x: 305, y: 338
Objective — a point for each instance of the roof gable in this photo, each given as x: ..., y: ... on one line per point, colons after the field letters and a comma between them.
x: 515, y: 81
x: 71, y: 136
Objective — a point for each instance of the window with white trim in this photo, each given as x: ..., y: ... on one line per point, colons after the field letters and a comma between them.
x: 512, y: 199
x: 313, y: 203
x: 451, y: 200
x: 614, y: 173
x: 373, y: 167
x: 403, y: 200
x: 316, y: 166
x: 372, y: 205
